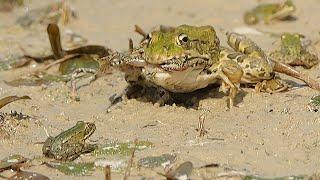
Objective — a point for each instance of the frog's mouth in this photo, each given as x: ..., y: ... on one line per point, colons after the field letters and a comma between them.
x: 183, y: 63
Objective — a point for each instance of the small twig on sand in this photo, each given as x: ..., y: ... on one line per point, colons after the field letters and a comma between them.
x: 46, y: 131
x: 201, y: 129
x: 130, y: 45
x: 139, y: 30
x: 128, y: 170
x: 107, y: 173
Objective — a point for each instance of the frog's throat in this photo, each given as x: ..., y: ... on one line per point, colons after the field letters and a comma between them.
x: 184, y: 62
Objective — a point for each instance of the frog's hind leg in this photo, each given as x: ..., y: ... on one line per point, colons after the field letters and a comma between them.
x: 262, y: 67
x: 254, y: 69
x: 257, y: 71
x: 73, y: 151
x: 257, y: 67
x: 241, y: 43
x: 88, y: 148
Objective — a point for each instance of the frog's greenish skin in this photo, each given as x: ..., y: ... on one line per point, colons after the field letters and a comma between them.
x: 292, y: 52
x: 269, y: 12
x: 196, y: 42
x: 187, y: 58
x: 70, y: 144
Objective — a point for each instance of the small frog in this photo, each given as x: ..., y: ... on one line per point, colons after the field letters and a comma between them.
x: 269, y: 12
x: 292, y: 52
x: 69, y: 144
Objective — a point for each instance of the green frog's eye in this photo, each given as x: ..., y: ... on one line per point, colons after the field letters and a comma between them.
x: 183, y: 39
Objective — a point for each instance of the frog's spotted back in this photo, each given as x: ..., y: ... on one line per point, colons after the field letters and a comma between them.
x: 291, y: 44
x: 69, y: 144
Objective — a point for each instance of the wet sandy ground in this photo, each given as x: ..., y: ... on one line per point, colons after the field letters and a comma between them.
x: 269, y: 135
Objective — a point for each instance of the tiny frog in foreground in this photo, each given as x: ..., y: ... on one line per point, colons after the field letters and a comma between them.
x: 69, y: 144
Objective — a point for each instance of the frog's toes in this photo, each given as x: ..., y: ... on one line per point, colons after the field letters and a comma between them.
x: 271, y: 86
x: 164, y: 97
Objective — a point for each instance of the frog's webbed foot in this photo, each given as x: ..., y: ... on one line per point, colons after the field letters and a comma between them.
x: 129, y: 92
x: 271, y: 86
x: 77, y: 74
x: 47, y: 146
x: 230, y: 73
x: 71, y: 157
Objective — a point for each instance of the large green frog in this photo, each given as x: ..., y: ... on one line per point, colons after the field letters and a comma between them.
x: 269, y: 12
x: 70, y: 144
x: 187, y: 58
x: 292, y: 52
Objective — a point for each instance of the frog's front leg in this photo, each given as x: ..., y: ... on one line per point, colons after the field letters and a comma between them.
x: 164, y: 97
x: 230, y: 73
x: 76, y: 74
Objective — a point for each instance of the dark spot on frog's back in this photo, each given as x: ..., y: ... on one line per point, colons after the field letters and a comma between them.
x: 254, y: 64
x: 240, y: 59
x: 249, y: 50
x: 237, y: 43
x: 232, y: 56
x: 248, y: 74
x: 262, y: 74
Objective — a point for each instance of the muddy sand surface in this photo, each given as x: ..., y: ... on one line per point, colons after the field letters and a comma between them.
x: 270, y: 135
